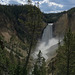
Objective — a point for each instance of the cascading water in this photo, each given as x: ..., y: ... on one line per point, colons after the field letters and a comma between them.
x: 47, y: 34
x: 48, y: 44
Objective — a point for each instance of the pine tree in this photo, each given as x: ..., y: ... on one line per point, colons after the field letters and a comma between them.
x: 29, y: 2
x: 65, y: 55
x: 40, y: 65
x: 18, y: 68
x: 3, y: 67
x: 68, y: 43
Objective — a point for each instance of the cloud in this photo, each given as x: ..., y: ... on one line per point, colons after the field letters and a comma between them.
x: 57, y: 11
x: 6, y: 2
x: 51, y: 3
x: 22, y: 1
x: 55, y: 4
x: 13, y: 2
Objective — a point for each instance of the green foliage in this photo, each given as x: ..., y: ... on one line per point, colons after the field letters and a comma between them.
x: 52, y: 17
x: 28, y: 21
x: 40, y: 65
x: 21, y: 20
x: 2, y: 60
x: 66, y: 55
x: 70, y: 12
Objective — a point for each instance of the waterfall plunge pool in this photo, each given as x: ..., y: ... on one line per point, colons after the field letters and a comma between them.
x: 48, y: 43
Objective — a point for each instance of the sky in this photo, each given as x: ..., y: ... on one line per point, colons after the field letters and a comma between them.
x: 46, y: 6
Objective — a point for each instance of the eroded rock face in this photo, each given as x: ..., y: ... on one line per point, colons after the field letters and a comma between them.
x: 62, y: 24
x: 72, y: 22
x: 7, y: 36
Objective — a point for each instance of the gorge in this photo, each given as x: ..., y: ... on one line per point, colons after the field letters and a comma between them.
x: 17, y: 25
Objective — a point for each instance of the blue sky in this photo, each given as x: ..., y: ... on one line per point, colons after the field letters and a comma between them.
x: 47, y: 6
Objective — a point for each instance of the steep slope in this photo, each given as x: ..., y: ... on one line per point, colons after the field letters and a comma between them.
x: 61, y: 25
x: 16, y: 26
x: 67, y: 19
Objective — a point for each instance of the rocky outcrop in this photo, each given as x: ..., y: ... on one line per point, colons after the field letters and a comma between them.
x: 61, y: 26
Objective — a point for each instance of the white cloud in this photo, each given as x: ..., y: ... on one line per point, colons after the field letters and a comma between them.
x: 33, y: 2
x: 50, y: 3
x: 57, y: 11
x: 22, y: 1
x: 4, y: 2
x: 44, y: 1
x: 55, y: 4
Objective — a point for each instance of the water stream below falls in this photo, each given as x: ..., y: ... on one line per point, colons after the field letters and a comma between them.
x: 48, y: 43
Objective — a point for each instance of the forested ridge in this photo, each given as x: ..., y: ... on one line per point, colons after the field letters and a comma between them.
x: 52, y: 17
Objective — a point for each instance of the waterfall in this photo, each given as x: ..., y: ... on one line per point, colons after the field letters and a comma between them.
x: 47, y: 34
x: 48, y: 43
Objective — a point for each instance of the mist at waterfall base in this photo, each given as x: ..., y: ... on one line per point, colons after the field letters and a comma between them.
x: 48, y: 44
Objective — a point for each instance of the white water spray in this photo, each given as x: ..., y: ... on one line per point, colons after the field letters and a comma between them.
x: 46, y: 43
